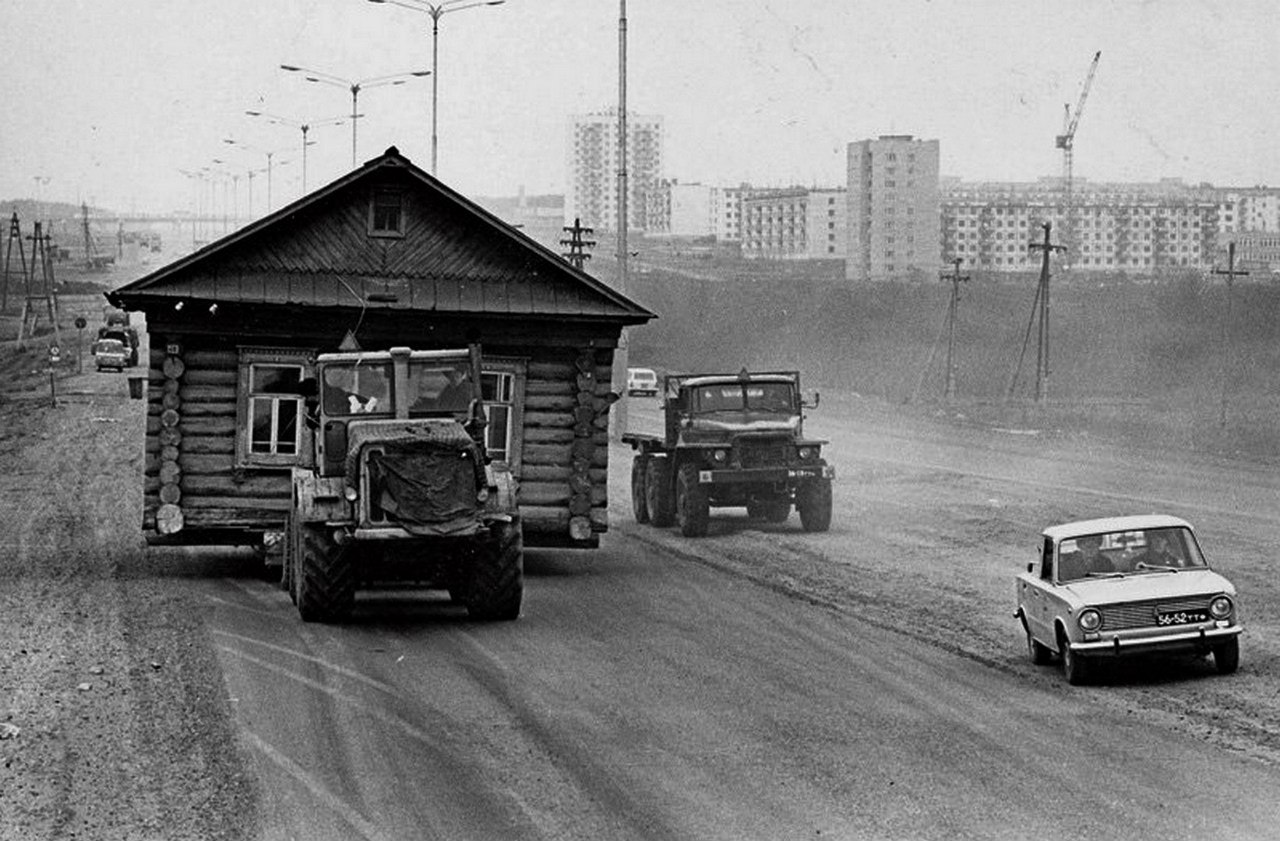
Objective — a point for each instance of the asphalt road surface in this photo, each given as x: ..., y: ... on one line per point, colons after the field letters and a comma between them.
x: 764, y: 683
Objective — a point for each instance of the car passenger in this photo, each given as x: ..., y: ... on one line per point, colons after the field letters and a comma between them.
x: 1160, y: 552
x: 1091, y: 555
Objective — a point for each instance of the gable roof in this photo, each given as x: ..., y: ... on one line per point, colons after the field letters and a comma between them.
x: 454, y: 257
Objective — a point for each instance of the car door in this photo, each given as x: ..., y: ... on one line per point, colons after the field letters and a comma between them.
x: 1033, y: 595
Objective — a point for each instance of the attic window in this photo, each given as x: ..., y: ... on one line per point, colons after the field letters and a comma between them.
x: 386, y: 214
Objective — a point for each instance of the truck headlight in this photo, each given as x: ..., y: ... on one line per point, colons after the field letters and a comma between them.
x: 720, y: 456
x: 1220, y: 607
x: 482, y: 495
x: 806, y: 453
x: 1089, y: 620
x: 350, y: 493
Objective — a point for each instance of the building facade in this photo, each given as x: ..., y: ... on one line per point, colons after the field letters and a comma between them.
x: 893, y: 199
x: 794, y: 223
x: 1128, y: 228
x: 592, y: 171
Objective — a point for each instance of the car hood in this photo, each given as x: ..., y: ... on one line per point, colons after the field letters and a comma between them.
x: 1148, y: 585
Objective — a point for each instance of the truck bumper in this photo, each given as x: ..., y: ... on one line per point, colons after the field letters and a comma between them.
x: 766, y: 475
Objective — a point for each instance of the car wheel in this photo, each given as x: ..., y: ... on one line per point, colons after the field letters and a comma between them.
x: 1074, y: 667
x: 1040, y: 654
x: 639, y: 503
x: 657, y: 490
x: 693, y: 509
x: 1226, y: 656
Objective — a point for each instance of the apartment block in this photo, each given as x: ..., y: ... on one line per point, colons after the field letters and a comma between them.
x: 593, y: 165
x: 1128, y: 228
x: 795, y: 223
x: 893, y: 199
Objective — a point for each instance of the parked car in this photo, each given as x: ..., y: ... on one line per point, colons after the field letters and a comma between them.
x: 110, y: 354
x: 642, y: 381
x: 1125, y: 586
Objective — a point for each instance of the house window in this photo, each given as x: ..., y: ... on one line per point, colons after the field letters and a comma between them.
x: 386, y: 214
x: 502, y: 387
x: 269, y: 410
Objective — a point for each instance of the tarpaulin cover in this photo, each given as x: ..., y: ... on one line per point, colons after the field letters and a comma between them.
x: 423, y: 474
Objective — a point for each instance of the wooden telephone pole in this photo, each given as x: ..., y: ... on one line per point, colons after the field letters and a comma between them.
x: 577, y: 254
x: 956, y: 279
x: 1040, y: 320
x: 1231, y: 273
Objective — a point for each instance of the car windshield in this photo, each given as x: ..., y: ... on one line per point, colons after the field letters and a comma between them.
x: 1132, y: 552
x: 740, y: 397
x: 358, y: 388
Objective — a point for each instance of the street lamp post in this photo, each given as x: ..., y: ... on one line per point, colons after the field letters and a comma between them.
x: 437, y: 11
x: 270, y: 154
x: 355, y: 86
x: 305, y: 127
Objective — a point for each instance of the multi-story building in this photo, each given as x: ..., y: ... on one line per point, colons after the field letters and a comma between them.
x: 893, y: 199
x: 592, y: 171
x: 795, y: 223
x: 1248, y: 209
x: 1130, y: 228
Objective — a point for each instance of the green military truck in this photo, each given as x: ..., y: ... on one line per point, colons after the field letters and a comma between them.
x: 730, y: 440
x: 400, y: 489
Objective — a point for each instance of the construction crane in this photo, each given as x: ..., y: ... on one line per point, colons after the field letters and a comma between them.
x: 1066, y: 142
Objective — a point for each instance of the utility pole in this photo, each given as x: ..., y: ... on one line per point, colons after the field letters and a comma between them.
x: 1231, y: 273
x: 956, y: 279
x: 577, y: 254
x: 15, y: 234
x: 1042, y: 296
x: 620, y: 360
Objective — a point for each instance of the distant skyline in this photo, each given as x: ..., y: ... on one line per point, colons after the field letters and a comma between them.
x: 110, y: 102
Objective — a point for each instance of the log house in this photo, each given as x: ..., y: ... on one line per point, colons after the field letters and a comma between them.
x: 386, y: 255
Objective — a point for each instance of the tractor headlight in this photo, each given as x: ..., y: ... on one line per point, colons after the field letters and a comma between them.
x: 720, y: 456
x: 482, y: 495
x: 1220, y: 607
x: 350, y: 493
x: 1089, y: 620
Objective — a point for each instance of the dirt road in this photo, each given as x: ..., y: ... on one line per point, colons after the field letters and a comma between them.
x: 761, y: 683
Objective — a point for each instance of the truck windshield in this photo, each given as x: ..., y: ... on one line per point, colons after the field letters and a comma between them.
x: 358, y: 389
x: 437, y: 387
x: 739, y: 397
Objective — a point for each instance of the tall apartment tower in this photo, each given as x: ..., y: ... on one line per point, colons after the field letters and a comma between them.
x: 894, y: 228
x: 592, y: 170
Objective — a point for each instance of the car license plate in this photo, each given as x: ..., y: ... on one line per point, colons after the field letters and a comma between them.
x: 1181, y: 617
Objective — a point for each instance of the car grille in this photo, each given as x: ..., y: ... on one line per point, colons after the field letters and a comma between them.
x: 1119, y: 617
x: 764, y: 453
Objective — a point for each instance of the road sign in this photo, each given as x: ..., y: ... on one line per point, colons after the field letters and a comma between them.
x: 55, y: 353
x: 80, y: 322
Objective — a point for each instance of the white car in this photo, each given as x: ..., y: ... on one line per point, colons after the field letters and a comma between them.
x: 642, y: 381
x: 1122, y: 586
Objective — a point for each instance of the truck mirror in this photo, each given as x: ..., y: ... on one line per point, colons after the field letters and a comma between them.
x: 817, y: 398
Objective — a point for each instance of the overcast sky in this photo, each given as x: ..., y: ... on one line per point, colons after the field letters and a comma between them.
x: 110, y: 100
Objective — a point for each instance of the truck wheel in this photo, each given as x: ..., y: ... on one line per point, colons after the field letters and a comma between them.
x: 657, y: 492
x: 813, y: 501
x: 326, y: 579
x: 693, y: 511
x: 1226, y: 656
x: 639, y: 502
x: 497, y: 583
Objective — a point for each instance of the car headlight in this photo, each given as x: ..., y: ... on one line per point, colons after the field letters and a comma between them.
x: 1220, y: 607
x: 1089, y: 620
x: 806, y: 453
x: 720, y: 456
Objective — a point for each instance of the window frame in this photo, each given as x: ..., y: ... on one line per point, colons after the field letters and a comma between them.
x: 397, y: 232
x: 517, y: 369
x: 249, y: 357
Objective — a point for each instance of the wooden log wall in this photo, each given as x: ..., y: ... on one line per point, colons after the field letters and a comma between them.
x: 564, y: 462
x: 190, y: 475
